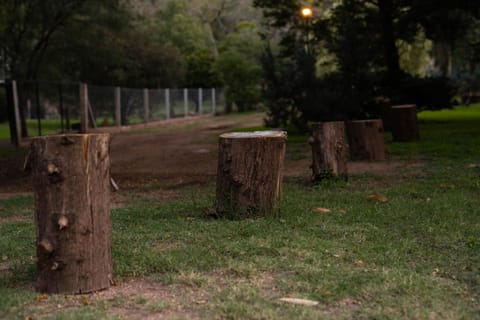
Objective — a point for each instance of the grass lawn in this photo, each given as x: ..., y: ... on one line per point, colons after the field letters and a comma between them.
x: 414, y: 256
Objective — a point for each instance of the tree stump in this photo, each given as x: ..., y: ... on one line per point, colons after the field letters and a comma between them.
x: 250, y: 173
x: 404, y: 123
x: 328, y: 150
x: 365, y: 139
x: 71, y: 182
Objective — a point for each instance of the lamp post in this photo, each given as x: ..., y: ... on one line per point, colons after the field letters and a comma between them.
x: 307, y: 14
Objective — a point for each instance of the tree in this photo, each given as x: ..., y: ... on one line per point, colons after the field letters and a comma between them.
x: 201, y: 71
x: 238, y: 63
x: 28, y: 28
x: 365, y: 37
x: 174, y: 26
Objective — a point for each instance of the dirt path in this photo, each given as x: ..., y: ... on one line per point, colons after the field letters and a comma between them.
x: 176, y: 155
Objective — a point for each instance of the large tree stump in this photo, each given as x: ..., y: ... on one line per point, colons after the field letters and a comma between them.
x: 365, y: 139
x: 404, y: 122
x: 328, y: 150
x: 71, y: 181
x: 249, y: 175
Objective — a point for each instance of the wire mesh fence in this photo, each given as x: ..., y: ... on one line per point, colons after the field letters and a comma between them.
x: 55, y: 107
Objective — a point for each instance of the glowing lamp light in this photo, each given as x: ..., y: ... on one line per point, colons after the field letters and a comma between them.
x: 307, y: 12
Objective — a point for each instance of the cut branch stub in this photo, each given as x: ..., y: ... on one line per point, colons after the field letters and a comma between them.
x: 250, y: 173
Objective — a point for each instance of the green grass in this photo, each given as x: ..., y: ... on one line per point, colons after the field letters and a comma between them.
x: 417, y: 256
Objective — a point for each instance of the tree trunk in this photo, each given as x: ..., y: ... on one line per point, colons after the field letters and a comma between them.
x: 250, y: 172
x: 404, y: 123
x: 328, y: 150
x: 387, y: 117
x: 366, y: 140
x: 392, y: 60
x: 71, y: 181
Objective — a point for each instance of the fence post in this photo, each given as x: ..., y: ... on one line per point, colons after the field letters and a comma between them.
x: 16, y: 113
x: 146, y: 106
x: 118, y: 107
x: 200, y: 101
x: 185, y: 102
x: 83, y: 108
x: 214, y: 101
x: 167, y: 103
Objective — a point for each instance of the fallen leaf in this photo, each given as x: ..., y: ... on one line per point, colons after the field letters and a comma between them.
x: 342, y: 211
x: 303, y: 302
x: 444, y: 185
x: 321, y: 210
x: 358, y: 263
x: 28, y: 318
x: 378, y: 197
x: 201, y: 301
x: 472, y: 165
x: 86, y: 300
x: 42, y: 297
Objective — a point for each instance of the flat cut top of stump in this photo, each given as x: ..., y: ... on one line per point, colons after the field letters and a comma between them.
x: 254, y: 134
x: 404, y: 106
x: 70, y: 135
x: 364, y: 121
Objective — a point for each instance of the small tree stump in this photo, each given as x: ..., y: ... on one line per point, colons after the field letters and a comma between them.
x: 404, y: 122
x: 71, y: 182
x: 365, y: 139
x: 249, y: 175
x: 328, y: 150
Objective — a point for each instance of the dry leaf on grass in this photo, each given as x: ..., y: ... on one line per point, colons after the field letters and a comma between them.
x: 377, y: 197
x: 42, y: 297
x: 358, y: 263
x: 472, y: 165
x: 321, y: 210
x: 303, y: 302
x: 86, y: 300
x: 342, y: 211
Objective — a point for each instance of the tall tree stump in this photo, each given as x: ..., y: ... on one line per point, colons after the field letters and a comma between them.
x: 366, y: 139
x: 328, y: 150
x: 71, y: 181
x: 404, y: 123
x: 250, y: 173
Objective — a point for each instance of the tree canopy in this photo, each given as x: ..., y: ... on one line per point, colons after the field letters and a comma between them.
x: 344, y: 61
x: 371, y: 52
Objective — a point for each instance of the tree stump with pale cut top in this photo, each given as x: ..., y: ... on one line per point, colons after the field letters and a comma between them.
x: 250, y: 173
x: 71, y: 182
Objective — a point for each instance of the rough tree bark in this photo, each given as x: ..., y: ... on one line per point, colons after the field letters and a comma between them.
x: 328, y: 150
x: 365, y: 139
x: 404, y: 123
x: 249, y: 175
x: 71, y: 181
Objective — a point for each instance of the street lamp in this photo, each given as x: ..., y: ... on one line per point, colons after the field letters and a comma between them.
x: 307, y: 14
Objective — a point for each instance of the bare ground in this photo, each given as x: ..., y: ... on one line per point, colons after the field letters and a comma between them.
x: 178, y: 154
